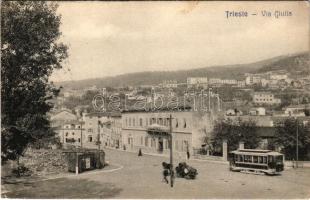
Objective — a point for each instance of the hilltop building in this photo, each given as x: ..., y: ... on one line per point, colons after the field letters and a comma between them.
x: 267, y: 98
x: 197, y: 81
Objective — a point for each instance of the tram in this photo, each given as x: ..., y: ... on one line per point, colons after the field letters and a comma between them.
x: 257, y: 161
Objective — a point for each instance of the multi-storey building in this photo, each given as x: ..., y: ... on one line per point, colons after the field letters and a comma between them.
x: 265, y: 98
x: 252, y: 79
x: 60, y: 117
x: 116, y: 130
x: 95, y: 129
x: 170, y: 84
x: 197, y: 81
x: 149, y: 131
x: 71, y: 133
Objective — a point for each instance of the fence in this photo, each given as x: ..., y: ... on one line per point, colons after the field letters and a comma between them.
x: 202, y: 154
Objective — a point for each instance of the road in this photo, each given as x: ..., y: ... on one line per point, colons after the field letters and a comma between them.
x: 141, y: 177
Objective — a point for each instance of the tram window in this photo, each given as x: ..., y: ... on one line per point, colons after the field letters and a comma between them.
x: 270, y: 159
x: 260, y: 159
x: 279, y: 158
x: 247, y: 158
x: 236, y: 157
x: 265, y: 159
x: 241, y: 158
x: 255, y: 159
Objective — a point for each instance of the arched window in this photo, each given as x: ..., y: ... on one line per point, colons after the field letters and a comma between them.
x: 90, y: 138
x: 184, y: 123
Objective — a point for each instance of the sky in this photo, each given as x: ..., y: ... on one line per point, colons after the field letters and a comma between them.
x: 112, y: 38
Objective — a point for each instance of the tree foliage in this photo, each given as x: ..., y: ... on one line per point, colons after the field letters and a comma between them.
x: 235, y: 132
x: 286, y: 137
x: 30, y: 52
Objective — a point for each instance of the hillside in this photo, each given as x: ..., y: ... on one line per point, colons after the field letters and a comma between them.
x: 292, y: 63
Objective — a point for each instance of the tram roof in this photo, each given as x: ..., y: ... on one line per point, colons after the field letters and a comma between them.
x: 259, y: 152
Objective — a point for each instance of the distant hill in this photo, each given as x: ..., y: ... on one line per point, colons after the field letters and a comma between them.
x: 291, y: 63
x: 298, y: 63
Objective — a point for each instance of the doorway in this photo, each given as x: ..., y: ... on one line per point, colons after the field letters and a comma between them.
x: 160, y: 145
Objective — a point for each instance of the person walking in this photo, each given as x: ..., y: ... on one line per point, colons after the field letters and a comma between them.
x: 166, y: 171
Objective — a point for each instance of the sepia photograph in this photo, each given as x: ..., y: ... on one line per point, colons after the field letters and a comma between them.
x: 155, y: 100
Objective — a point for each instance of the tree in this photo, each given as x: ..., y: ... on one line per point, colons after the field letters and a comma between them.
x: 235, y: 132
x: 286, y: 137
x: 30, y: 52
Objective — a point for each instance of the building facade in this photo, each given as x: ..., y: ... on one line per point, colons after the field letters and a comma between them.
x: 197, y: 81
x: 265, y: 98
x: 149, y: 131
x: 71, y: 133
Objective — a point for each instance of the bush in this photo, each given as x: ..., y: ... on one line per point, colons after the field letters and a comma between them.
x: 21, y: 170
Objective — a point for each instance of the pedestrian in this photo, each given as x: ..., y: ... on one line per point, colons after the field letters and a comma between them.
x: 188, y: 154
x: 140, y: 152
x: 166, y: 171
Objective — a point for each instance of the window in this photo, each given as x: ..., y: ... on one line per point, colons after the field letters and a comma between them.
x: 79, y: 126
x: 176, y: 143
x: 152, y: 142
x: 168, y: 121
x: 67, y: 134
x: 141, y: 142
x: 72, y: 133
x: 128, y: 140
x: 184, y: 123
x: 79, y: 140
x: 90, y: 130
x: 146, y: 141
x: 166, y: 144
x: 255, y: 159
x: 260, y: 159
x: 160, y: 121
x: 150, y: 121
x: 247, y: 158
x: 176, y: 123
x: 90, y: 138
x: 133, y: 122
x: 129, y: 121
x: 141, y: 122
x: 126, y: 122
x: 146, y: 122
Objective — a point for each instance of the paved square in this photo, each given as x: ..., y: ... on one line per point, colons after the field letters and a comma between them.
x: 141, y: 177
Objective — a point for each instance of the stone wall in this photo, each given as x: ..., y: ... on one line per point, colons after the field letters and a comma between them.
x: 44, y: 161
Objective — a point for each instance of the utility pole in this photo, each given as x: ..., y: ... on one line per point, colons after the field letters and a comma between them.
x: 171, y: 153
x: 81, y: 134
x: 98, y: 139
x: 210, y: 99
x: 297, y: 143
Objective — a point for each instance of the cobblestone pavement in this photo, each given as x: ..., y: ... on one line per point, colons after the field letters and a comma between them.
x: 141, y: 177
